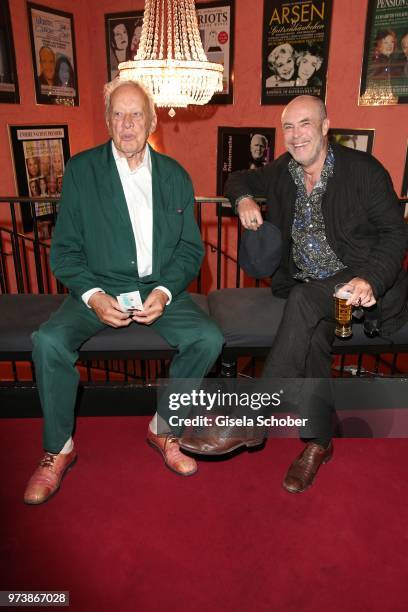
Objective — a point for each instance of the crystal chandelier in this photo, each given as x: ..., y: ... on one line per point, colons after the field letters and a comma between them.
x: 182, y: 76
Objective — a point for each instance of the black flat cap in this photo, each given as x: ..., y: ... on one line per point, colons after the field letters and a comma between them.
x: 260, y: 251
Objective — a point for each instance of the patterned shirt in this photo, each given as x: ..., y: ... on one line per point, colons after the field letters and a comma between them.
x: 312, y: 253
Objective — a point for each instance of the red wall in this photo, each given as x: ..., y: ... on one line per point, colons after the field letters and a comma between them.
x: 191, y: 136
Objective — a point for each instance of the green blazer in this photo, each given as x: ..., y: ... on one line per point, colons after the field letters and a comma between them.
x: 93, y: 244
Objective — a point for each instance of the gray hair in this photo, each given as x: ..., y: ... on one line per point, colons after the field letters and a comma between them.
x: 322, y: 108
x: 113, y: 85
x: 261, y: 136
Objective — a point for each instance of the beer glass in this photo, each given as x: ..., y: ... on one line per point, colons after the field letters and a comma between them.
x: 342, y: 311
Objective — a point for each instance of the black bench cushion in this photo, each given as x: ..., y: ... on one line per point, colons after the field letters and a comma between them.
x: 21, y: 314
x: 251, y: 317
x: 247, y: 317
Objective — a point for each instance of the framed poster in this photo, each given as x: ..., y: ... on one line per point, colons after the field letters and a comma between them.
x: 241, y: 149
x: 295, y: 48
x: 40, y: 153
x: 361, y: 140
x: 384, y: 75
x: 8, y: 73
x: 404, y: 188
x: 122, y: 35
x: 216, y: 26
x: 53, y: 54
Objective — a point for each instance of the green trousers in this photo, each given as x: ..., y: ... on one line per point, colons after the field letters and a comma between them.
x: 183, y: 324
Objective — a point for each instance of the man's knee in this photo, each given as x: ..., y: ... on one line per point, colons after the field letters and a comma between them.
x: 299, y: 293
x: 209, y: 338
x: 48, y: 339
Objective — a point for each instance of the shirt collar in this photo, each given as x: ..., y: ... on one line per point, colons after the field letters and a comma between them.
x: 296, y: 170
x: 122, y: 161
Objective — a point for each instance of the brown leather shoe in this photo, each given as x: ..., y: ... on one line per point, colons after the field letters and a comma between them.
x: 219, y: 443
x: 302, y: 472
x: 168, y: 447
x: 46, y: 480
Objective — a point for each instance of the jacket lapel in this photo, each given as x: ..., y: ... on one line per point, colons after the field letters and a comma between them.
x: 330, y: 200
x: 112, y: 191
x: 159, y: 191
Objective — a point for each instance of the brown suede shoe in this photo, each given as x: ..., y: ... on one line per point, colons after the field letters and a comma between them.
x: 218, y: 443
x: 46, y: 480
x: 302, y: 472
x: 168, y: 447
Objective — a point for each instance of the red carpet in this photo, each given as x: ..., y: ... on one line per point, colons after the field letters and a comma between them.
x: 124, y: 533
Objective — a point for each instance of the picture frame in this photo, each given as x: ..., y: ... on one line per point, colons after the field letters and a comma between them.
x: 384, y: 72
x: 122, y: 37
x: 40, y: 154
x: 295, y: 49
x: 361, y: 140
x: 242, y: 148
x: 9, y: 92
x: 53, y: 53
x: 216, y: 26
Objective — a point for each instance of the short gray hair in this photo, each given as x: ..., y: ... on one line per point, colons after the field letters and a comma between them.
x: 261, y: 136
x: 321, y: 108
x: 113, y: 85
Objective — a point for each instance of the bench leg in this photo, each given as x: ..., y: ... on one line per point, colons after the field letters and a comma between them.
x: 228, y: 369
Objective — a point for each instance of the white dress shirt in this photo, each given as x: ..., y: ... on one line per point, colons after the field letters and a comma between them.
x: 137, y: 187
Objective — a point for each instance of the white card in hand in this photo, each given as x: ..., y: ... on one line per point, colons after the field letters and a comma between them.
x: 130, y: 301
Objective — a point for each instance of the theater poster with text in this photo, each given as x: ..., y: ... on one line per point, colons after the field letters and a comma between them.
x: 384, y: 76
x: 296, y: 35
x: 216, y: 27
x: 53, y: 54
x: 40, y: 154
x: 243, y: 148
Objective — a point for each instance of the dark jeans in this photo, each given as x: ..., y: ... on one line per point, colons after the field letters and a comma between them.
x: 302, y: 350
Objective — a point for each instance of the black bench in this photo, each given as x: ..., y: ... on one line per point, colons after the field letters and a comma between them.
x: 248, y: 318
x: 21, y: 314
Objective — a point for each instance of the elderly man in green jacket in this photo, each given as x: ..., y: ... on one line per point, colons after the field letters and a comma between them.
x: 126, y: 223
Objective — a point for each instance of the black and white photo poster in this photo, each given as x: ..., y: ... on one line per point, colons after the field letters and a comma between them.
x: 241, y: 149
x: 295, y: 49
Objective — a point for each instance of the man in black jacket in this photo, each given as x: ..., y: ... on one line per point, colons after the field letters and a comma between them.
x: 340, y: 222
